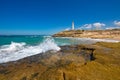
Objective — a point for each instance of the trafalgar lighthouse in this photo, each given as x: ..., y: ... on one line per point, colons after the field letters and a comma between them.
x: 73, y: 25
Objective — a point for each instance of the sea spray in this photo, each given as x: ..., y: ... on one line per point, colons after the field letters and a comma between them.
x: 12, y: 47
x: 49, y: 44
x: 16, y: 51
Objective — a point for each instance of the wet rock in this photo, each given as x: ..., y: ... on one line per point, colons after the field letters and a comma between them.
x: 70, y: 63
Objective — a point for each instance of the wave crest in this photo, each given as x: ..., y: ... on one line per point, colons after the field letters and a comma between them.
x: 12, y: 47
x: 16, y: 51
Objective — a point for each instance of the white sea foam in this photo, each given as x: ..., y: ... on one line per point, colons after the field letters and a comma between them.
x: 12, y: 47
x: 16, y: 51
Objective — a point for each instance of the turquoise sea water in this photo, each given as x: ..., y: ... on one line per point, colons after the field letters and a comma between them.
x: 16, y: 47
x: 37, y: 39
x: 29, y: 39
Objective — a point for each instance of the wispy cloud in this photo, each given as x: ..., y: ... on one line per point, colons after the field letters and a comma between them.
x: 112, y: 28
x: 86, y: 26
x: 117, y: 23
x: 98, y: 25
x: 67, y: 29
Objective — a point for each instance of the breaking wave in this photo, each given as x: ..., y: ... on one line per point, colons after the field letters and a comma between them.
x: 16, y: 51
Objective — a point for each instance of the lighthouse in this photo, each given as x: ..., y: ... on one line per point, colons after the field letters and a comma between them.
x: 73, y: 25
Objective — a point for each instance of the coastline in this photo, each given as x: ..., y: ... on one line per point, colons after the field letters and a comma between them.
x: 95, y: 39
x: 93, y: 34
x: 71, y: 62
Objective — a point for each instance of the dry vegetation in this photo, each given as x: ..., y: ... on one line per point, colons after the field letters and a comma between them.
x: 111, y: 34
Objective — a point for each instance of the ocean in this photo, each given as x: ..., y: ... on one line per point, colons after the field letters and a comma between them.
x: 15, y: 47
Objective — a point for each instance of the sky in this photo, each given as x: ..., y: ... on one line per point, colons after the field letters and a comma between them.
x: 52, y: 16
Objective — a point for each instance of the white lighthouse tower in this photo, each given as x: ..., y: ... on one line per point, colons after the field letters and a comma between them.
x: 73, y: 25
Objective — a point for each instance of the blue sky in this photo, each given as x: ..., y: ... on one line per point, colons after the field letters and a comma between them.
x: 51, y: 16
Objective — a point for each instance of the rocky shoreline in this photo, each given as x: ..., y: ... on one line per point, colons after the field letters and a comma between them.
x: 96, y: 34
x: 79, y: 62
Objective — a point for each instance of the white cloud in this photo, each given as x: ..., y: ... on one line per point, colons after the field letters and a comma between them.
x: 67, y: 29
x: 109, y: 27
x: 117, y: 23
x: 98, y: 25
x: 86, y: 26
x: 112, y: 28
